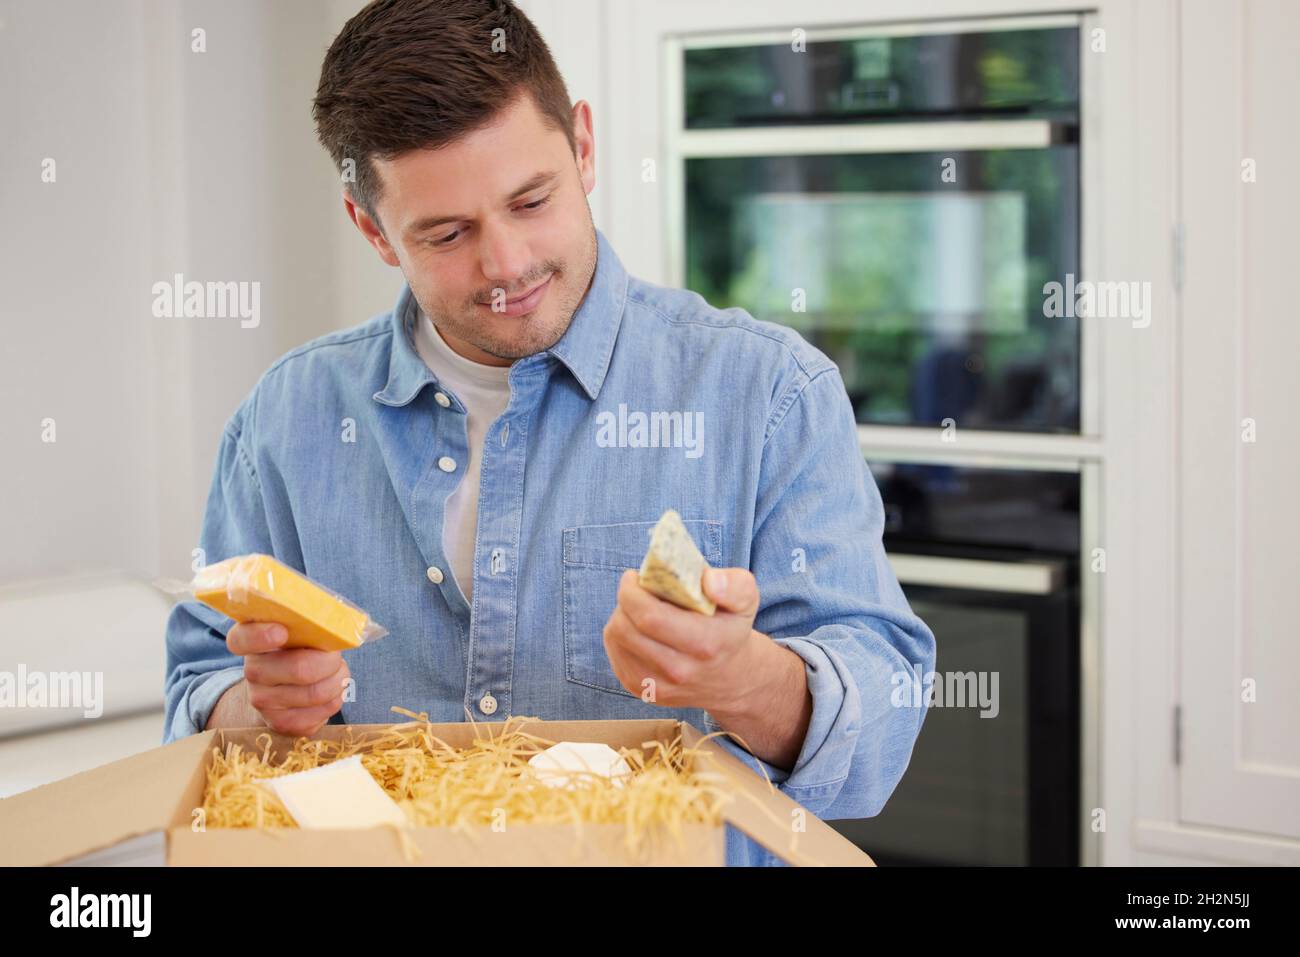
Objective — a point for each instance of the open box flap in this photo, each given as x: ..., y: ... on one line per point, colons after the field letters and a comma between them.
x: 765, y: 814
x: 99, y: 807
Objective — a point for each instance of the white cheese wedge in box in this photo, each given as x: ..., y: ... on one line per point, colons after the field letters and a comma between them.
x: 341, y: 794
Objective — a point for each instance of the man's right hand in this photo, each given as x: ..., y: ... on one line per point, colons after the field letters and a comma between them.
x: 295, y: 690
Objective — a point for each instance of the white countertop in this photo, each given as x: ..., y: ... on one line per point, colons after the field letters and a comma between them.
x: 30, y: 760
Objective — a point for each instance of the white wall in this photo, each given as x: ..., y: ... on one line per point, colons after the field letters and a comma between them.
x: 167, y: 160
x: 76, y: 279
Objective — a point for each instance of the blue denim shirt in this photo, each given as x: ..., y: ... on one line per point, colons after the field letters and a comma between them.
x: 774, y: 481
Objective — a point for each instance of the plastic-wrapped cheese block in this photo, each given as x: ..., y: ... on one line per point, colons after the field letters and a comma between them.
x: 259, y: 588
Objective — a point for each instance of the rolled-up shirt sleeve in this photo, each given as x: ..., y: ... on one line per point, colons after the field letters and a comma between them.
x: 829, y: 594
x: 200, y: 668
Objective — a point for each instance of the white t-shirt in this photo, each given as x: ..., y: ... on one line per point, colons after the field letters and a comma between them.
x: 485, y: 392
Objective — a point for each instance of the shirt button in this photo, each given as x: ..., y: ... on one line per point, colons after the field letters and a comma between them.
x: 435, y: 575
x: 447, y: 463
x: 441, y: 399
x: 487, y: 704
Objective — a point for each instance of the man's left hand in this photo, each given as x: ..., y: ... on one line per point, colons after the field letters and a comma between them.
x: 682, y: 659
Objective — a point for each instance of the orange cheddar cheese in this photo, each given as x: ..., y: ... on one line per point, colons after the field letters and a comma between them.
x: 259, y: 588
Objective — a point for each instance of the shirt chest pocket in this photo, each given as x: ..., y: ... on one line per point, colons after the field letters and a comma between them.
x: 595, y: 557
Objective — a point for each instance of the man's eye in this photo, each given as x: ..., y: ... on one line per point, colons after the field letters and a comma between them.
x: 539, y: 203
x: 444, y: 240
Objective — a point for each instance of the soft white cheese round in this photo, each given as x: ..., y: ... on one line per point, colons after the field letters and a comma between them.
x: 571, y: 763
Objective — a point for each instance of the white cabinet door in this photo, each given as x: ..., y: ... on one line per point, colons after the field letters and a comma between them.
x: 1239, y: 433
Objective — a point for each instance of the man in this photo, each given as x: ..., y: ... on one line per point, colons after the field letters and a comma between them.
x: 479, y: 468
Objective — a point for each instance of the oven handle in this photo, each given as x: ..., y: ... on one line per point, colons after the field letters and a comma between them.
x: 902, y: 137
x: 972, y: 574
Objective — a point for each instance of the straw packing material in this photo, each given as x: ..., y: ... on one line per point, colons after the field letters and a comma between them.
x: 491, y: 781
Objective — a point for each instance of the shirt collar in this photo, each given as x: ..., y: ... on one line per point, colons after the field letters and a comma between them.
x: 584, y: 349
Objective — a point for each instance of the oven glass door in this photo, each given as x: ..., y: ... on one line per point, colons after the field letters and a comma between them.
x: 927, y: 295
x: 993, y: 774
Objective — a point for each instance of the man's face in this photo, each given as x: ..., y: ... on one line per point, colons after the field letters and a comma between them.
x: 493, y: 232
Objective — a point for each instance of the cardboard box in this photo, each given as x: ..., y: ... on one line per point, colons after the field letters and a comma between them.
x: 152, y: 796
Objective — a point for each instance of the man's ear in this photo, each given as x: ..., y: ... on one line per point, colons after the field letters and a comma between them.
x: 370, y: 230
x: 584, y: 145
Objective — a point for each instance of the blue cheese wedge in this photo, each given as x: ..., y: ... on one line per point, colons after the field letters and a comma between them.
x: 673, y: 567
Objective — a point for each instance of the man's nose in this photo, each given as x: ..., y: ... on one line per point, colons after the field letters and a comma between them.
x: 504, y: 257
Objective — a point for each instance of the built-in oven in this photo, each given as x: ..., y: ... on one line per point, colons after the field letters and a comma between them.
x: 900, y: 198
x: 989, y: 559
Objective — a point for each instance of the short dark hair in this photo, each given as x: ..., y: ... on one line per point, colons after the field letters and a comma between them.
x: 420, y: 74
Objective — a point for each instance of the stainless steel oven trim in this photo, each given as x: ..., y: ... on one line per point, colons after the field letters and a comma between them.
x: 1090, y: 248
x: 1091, y: 505
x: 674, y: 162
x: 905, y: 29
x: 972, y: 574
x: 1090, y: 664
